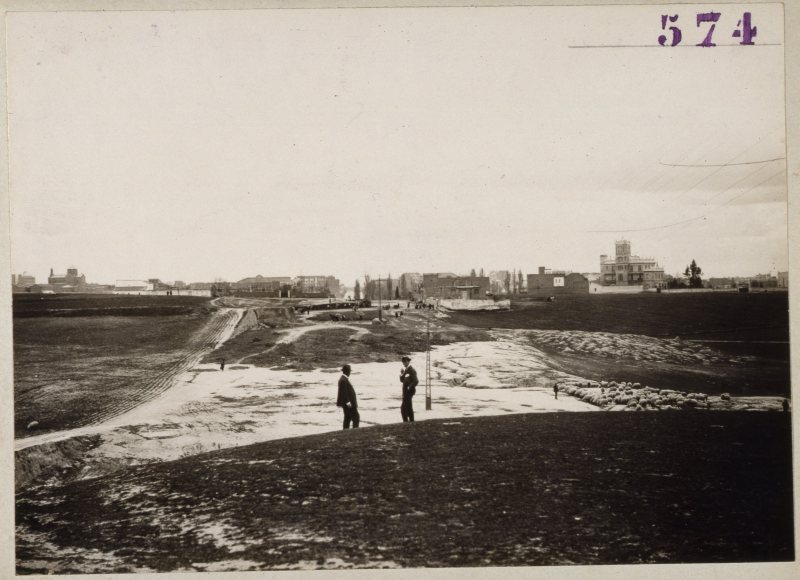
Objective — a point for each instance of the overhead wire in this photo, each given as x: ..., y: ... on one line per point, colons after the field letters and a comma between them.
x: 689, y: 220
x: 717, y: 169
x: 721, y: 164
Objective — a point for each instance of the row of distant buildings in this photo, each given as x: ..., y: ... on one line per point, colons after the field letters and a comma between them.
x: 71, y: 281
x: 254, y: 286
x: 779, y: 280
x: 623, y: 269
x: 264, y: 286
x: 409, y: 285
x: 322, y: 286
x: 450, y: 286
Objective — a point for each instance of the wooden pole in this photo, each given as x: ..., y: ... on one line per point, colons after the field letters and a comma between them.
x: 428, y: 364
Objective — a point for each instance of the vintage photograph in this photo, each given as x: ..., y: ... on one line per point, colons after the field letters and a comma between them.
x: 337, y: 287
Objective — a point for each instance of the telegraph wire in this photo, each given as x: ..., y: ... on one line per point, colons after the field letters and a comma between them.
x: 686, y: 221
x: 721, y: 164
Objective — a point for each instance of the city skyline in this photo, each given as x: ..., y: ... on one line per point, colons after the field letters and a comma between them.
x: 170, y: 145
x: 374, y: 275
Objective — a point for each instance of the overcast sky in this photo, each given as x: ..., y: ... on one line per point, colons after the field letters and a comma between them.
x: 198, y: 145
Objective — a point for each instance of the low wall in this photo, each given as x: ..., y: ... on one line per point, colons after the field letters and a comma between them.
x: 248, y: 321
x: 461, y: 304
x: 595, y: 288
x: 206, y: 293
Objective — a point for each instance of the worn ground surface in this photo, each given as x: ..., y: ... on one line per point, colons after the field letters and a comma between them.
x: 329, y: 343
x: 536, y: 489
x: 291, y: 491
x: 101, y: 360
x: 711, y: 367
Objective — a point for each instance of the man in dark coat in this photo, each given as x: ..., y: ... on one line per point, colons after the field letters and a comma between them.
x: 408, y: 376
x: 347, y: 399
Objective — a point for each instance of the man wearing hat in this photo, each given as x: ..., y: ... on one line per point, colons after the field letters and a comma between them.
x: 408, y: 376
x: 347, y: 399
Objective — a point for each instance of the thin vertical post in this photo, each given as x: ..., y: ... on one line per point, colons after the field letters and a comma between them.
x: 380, y: 306
x: 428, y: 364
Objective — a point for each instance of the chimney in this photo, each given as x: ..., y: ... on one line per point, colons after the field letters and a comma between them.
x: 541, y: 269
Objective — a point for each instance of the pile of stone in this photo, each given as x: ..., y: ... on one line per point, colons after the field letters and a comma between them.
x: 632, y: 347
x: 633, y: 396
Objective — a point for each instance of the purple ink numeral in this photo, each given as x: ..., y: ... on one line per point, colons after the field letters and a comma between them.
x: 676, y: 32
x: 708, y: 17
x: 748, y: 32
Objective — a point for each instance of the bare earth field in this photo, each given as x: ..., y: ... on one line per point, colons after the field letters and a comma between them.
x: 149, y: 457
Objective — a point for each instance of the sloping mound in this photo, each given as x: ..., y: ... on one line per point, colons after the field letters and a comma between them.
x: 566, y: 488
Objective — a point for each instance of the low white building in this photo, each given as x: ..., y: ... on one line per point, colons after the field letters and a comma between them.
x: 132, y: 286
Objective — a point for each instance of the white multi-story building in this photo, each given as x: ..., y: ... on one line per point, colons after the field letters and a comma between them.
x: 626, y: 269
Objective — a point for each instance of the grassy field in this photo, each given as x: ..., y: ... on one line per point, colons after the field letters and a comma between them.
x: 49, y: 305
x: 342, y: 342
x: 753, y: 328
x: 707, y: 315
x: 537, y: 489
x: 69, y: 370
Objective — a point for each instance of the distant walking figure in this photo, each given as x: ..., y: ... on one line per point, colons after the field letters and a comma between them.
x: 222, y: 365
x: 408, y: 376
x: 785, y: 405
x: 347, y: 399
x: 555, y: 390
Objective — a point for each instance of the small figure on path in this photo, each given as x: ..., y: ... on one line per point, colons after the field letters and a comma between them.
x: 347, y: 399
x: 785, y: 405
x: 408, y: 376
x: 222, y: 365
x: 555, y: 390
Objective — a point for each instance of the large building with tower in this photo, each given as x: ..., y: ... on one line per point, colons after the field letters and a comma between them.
x: 626, y: 269
x: 71, y: 278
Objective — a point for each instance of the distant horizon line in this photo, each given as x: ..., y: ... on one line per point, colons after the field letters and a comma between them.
x: 362, y: 278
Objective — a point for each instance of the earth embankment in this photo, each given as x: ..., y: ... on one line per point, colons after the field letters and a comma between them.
x: 564, y: 488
